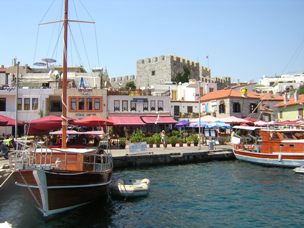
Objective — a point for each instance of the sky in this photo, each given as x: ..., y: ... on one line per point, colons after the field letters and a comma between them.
x: 243, y: 39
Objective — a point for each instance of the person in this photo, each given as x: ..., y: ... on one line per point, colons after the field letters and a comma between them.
x: 4, y: 150
x: 162, y: 136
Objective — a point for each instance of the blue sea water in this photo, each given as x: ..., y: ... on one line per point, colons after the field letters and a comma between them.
x: 213, y: 194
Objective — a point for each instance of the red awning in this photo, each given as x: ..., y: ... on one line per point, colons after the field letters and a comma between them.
x: 158, y: 120
x: 126, y: 120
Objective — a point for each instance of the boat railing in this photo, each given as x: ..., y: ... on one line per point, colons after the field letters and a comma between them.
x: 38, y: 156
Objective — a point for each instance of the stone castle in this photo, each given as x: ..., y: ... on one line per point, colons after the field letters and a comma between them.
x: 163, y: 69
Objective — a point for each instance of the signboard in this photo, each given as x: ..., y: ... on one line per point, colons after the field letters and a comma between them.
x: 138, y: 147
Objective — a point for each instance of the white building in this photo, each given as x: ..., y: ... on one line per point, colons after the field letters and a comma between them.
x: 279, y: 84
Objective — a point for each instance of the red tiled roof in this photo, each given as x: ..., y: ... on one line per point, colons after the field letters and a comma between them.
x: 227, y: 93
x: 2, y: 70
x: 291, y: 102
x: 270, y: 97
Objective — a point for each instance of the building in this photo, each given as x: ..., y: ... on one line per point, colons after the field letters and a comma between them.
x: 164, y: 69
x: 291, y: 109
x: 280, y: 84
x: 231, y: 102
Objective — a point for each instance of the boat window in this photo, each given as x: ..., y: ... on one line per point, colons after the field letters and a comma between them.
x: 299, y: 135
x: 288, y: 135
x: 274, y: 135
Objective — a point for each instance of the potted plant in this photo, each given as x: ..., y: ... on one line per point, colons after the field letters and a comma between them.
x: 195, y: 140
x: 189, y: 140
x: 122, y: 143
x: 150, y: 141
x: 156, y: 138
x: 180, y: 142
x: 173, y: 140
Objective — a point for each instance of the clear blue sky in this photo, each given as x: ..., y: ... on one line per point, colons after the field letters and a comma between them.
x: 243, y: 39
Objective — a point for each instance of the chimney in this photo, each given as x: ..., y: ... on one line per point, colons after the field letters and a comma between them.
x: 285, y: 97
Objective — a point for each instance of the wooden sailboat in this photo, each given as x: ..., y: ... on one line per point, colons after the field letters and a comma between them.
x: 63, y: 178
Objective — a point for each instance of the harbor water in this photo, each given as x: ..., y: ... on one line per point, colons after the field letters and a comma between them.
x: 213, y: 194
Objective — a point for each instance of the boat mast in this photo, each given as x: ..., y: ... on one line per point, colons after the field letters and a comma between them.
x: 64, y: 77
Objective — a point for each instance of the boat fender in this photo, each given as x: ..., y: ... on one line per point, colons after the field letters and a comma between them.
x: 280, y: 157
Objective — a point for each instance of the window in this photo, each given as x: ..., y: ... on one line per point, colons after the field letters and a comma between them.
x: 281, y: 114
x: 89, y: 104
x: 2, y: 104
x: 236, y: 107
x: 97, y: 104
x: 253, y: 108
x: 19, y: 106
x: 145, y: 106
x: 85, y: 104
x: 133, y: 106
x: 189, y: 109
x: 34, y: 103
x: 176, y: 110
x: 116, y: 106
x: 300, y: 113
x: 222, y: 108
x: 124, y: 105
x: 153, y: 72
x: 211, y: 90
x: 27, y: 102
x: 55, y: 106
x: 81, y: 104
x: 152, y: 105
x: 160, y: 105
x: 73, y: 104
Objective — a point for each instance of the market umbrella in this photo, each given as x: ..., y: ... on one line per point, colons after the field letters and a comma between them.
x: 7, y: 121
x: 234, y: 120
x: 92, y: 121
x: 218, y: 124
x: 182, y: 123
x: 45, y: 124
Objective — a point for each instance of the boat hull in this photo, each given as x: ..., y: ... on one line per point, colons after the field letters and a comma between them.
x: 290, y: 160
x: 55, y: 192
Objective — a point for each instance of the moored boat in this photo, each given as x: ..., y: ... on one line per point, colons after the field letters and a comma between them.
x: 59, y: 179
x: 274, y: 147
x: 299, y: 170
x: 130, y: 188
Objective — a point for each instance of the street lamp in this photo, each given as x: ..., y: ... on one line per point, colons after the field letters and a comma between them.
x: 199, y: 115
x: 16, y: 112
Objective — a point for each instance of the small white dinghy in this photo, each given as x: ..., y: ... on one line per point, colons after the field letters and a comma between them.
x: 130, y: 188
x: 299, y: 170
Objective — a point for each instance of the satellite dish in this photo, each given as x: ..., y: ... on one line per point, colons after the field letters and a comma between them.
x: 39, y: 64
x: 48, y: 60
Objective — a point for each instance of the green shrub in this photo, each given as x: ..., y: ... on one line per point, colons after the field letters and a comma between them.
x: 137, y: 136
x: 156, y: 138
x: 122, y: 142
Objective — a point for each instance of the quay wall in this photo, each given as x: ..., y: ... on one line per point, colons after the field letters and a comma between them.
x: 173, y: 158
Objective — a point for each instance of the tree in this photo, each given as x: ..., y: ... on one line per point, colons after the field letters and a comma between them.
x: 301, y: 89
x: 182, y: 77
x: 130, y: 85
